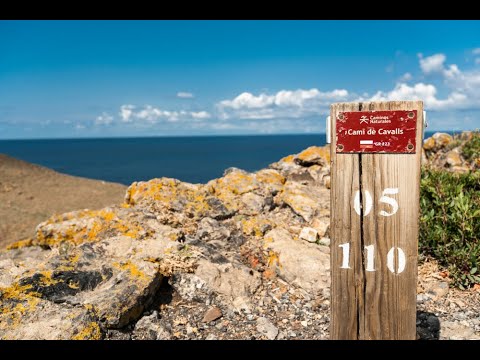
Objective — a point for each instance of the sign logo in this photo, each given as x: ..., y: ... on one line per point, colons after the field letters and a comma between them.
x: 364, y: 119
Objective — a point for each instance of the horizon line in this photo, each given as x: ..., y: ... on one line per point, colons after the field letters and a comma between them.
x: 193, y: 136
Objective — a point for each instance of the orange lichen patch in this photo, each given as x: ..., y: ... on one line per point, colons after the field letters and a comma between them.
x: 267, y: 240
x: 128, y: 229
x: 107, y: 215
x: 171, y: 195
x: 315, y: 152
x: 94, y: 230
x: 173, y: 236
x: 255, y: 226
x: 429, y: 143
x: 197, y: 204
x: 228, y: 188
x: 69, y: 262
x: 46, y: 279
x: 15, y: 291
x: 269, y: 273
x: 288, y: 159
x: 90, y: 332
x: 20, y: 244
x: 132, y: 269
x: 273, y: 259
x: 152, y: 189
x: 75, y: 227
x: 131, y: 191
x: 15, y: 301
x: 79, y: 214
x: 237, y: 183
x: 125, y: 205
x: 270, y: 177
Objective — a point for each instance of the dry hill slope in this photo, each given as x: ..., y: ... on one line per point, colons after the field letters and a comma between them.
x: 30, y: 194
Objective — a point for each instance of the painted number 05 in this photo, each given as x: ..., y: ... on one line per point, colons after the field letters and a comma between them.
x: 370, y: 258
x: 369, y: 202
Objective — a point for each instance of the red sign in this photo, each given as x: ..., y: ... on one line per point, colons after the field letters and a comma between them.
x: 377, y: 131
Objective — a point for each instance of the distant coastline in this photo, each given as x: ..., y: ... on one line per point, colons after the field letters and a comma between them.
x: 195, y: 159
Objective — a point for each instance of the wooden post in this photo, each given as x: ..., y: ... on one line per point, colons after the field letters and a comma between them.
x: 375, y: 187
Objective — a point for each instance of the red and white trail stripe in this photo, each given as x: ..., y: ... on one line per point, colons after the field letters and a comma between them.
x: 366, y: 142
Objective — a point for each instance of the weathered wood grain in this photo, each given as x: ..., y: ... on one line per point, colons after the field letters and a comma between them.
x: 375, y: 304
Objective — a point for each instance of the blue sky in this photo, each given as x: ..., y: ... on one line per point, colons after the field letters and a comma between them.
x: 64, y: 79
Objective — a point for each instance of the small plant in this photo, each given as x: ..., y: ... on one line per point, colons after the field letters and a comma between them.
x: 450, y: 222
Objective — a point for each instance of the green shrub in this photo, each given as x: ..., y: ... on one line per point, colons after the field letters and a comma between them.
x: 471, y: 149
x: 450, y: 223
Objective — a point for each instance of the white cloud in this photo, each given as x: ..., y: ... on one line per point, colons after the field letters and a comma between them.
x: 150, y: 114
x: 432, y: 64
x: 435, y: 64
x: 448, y: 89
x: 462, y: 89
x: 200, y: 115
x: 185, y: 95
x: 283, y: 104
x: 104, y: 119
x: 406, y: 77
x: 476, y: 51
x: 126, y: 112
x: 421, y: 91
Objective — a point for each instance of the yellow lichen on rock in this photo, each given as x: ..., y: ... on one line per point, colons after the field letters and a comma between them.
x: 288, y: 159
x: 128, y: 229
x: 255, y: 226
x: 75, y: 227
x: 15, y: 301
x: 132, y: 269
x: 229, y: 188
x: 20, y: 244
x: 46, y: 279
x: 271, y: 178
x: 90, y: 332
x: 237, y: 183
x: 315, y: 155
x: 429, y: 144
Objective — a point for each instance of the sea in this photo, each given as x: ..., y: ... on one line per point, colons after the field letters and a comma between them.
x: 191, y: 159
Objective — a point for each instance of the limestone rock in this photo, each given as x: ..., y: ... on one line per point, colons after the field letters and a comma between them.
x: 314, y: 155
x: 304, y: 200
x: 309, y: 234
x: 321, y: 225
x: 210, y: 229
x: 442, y: 140
x: 271, y: 179
x: 429, y: 144
x: 299, y: 262
x: 437, y: 289
x: 27, y: 317
x: 150, y: 328
x: 232, y: 281
x: 266, y: 328
x: 453, y: 158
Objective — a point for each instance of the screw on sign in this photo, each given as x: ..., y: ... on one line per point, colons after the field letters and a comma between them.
x: 375, y: 187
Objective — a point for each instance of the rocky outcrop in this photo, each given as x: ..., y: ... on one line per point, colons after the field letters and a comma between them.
x: 243, y: 256
x: 446, y: 152
x: 216, y: 247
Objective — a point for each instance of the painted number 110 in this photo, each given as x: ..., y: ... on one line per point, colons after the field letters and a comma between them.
x: 370, y: 258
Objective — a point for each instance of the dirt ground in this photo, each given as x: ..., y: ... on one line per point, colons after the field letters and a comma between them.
x: 30, y: 194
